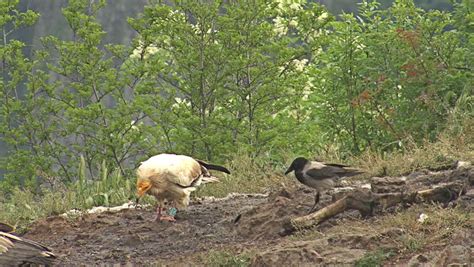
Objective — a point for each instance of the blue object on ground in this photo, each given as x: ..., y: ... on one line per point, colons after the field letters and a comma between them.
x: 172, y: 211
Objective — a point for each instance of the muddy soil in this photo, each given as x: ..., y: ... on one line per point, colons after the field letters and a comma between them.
x: 236, y: 223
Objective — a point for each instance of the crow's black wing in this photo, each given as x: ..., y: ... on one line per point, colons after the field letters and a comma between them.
x: 320, y: 172
x: 337, y: 165
x: 327, y: 171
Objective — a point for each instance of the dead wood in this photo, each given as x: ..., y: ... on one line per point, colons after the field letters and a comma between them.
x: 368, y: 203
x: 388, y: 184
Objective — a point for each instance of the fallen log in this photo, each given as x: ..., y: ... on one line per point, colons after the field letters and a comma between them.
x: 367, y: 203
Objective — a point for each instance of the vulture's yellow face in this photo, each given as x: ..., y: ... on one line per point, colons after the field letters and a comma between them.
x: 142, y: 187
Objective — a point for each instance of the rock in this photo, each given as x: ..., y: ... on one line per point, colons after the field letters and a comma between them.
x: 458, y: 254
x: 463, y: 164
x: 388, y: 184
x: 284, y: 193
x: 418, y: 260
x: 339, y: 192
x: 466, y: 201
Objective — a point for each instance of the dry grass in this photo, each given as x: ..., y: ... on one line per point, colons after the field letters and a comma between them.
x: 450, y: 147
x: 401, y: 233
x: 247, y: 176
x: 396, y: 235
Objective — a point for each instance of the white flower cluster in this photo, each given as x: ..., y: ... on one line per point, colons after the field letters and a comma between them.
x: 323, y: 16
x: 197, y: 29
x: 149, y: 50
x: 177, y: 15
x: 180, y: 101
x: 287, y: 5
x: 279, y: 26
x: 308, y: 88
x: 133, y: 124
x: 299, y: 64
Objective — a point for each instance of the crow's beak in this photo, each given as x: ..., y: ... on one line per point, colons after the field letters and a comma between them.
x: 290, y: 169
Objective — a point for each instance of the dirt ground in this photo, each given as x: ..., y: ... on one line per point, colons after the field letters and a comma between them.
x: 239, y: 223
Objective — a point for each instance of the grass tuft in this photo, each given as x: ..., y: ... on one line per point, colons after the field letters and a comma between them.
x: 374, y: 258
x: 226, y: 259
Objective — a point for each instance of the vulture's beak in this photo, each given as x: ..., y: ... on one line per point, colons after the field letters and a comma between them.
x: 142, y: 188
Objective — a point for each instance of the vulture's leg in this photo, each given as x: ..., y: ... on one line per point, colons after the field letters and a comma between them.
x: 159, y: 210
x: 170, y: 216
x: 316, y: 200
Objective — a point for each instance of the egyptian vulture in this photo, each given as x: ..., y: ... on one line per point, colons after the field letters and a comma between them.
x: 172, y: 178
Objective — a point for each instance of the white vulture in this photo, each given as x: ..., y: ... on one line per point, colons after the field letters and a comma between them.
x: 17, y: 251
x: 170, y: 177
x: 319, y: 175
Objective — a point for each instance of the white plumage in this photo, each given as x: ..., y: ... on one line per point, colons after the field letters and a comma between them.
x: 173, y: 177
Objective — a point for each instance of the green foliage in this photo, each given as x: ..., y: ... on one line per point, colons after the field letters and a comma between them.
x: 391, y: 75
x: 220, y: 79
x: 76, y: 105
x: 374, y: 258
x: 22, y: 207
x: 216, y: 81
x: 110, y: 189
x: 14, y: 113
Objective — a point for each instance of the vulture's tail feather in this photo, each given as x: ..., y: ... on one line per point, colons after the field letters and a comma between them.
x: 213, y: 167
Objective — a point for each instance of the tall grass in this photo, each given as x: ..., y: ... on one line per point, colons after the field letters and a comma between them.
x: 248, y: 175
x: 452, y: 145
x: 23, y: 206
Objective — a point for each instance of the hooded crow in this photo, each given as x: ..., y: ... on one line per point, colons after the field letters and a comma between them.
x: 17, y: 251
x: 170, y: 177
x: 319, y: 175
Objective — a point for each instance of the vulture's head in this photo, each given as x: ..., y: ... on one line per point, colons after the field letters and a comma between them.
x: 143, y: 185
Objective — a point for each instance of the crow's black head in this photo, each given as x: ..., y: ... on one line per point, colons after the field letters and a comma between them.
x: 297, y: 164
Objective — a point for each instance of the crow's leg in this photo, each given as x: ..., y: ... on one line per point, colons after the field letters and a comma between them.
x: 316, y: 201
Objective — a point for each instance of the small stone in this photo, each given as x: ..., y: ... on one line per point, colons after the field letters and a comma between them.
x: 422, y: 218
